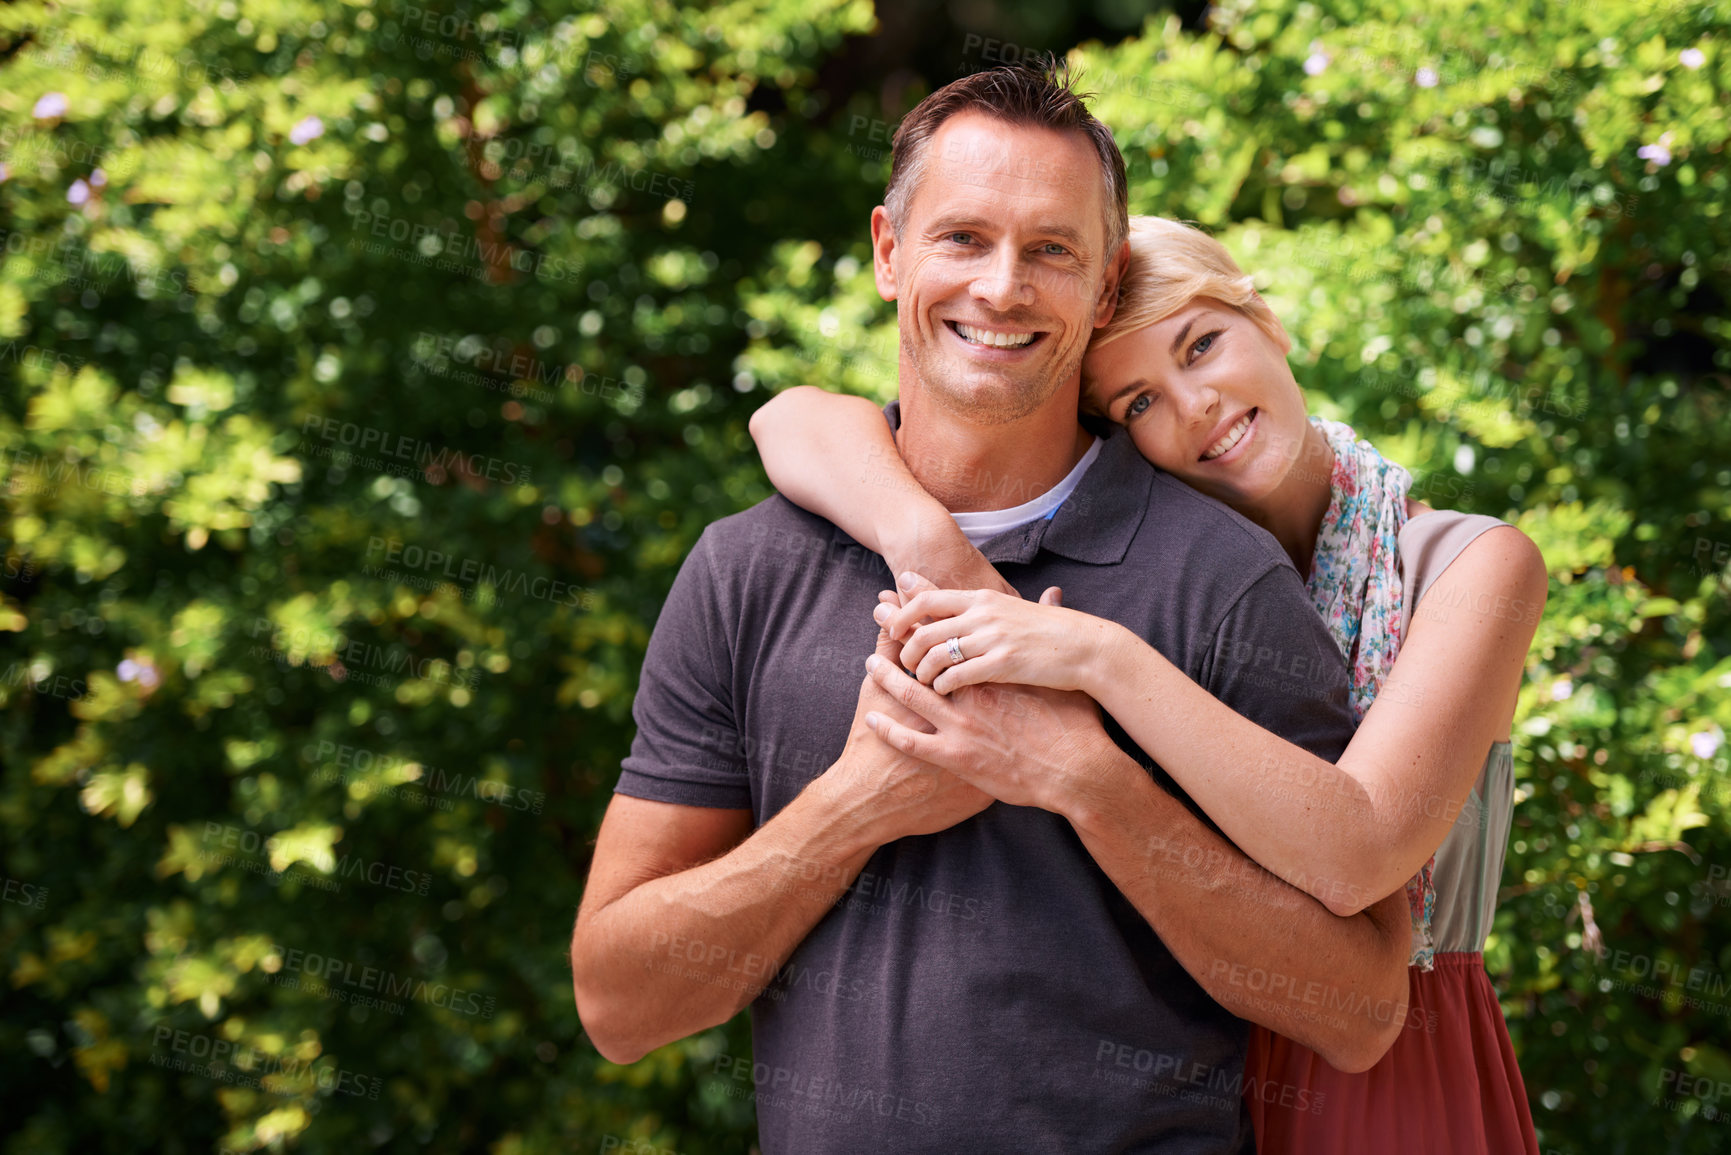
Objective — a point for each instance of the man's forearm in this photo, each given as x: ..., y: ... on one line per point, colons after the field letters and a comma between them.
x: 1261, y: 948
x: 687, y: 951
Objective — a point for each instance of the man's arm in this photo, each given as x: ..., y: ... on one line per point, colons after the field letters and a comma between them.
x: 686, y: 919
x: 1261, y: 948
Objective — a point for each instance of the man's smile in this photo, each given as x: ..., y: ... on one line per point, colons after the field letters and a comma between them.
x: 1006, y: 340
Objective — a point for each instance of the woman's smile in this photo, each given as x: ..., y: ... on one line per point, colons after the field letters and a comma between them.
x: 1227, y: 446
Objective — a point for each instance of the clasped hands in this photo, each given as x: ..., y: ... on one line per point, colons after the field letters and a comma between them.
x: 1009, y: 719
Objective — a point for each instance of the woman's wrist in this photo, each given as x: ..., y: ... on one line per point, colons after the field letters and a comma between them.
x: 930, y: 543
x: 1106, y: 660
x: 900, y: 539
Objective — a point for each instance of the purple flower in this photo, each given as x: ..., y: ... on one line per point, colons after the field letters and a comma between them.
x: 1659, y: 154
x: 1316, y: 62
x: 144, y: 673
x: 1692, y: 58
x: 78, y: 193
x: 1425, y: 78
x: 98, y: 179
x: 52, y: 106
x: 5, y: 172
x: 1706, y: 743
x: 309, y: 129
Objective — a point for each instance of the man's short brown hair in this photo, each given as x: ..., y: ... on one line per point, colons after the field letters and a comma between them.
x: 1036, y: 92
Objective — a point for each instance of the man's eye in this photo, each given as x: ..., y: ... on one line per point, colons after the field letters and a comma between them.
x: 1054, y: 249
x: 962, y: 238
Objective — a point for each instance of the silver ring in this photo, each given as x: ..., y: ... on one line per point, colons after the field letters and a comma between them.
x: 956, y: 656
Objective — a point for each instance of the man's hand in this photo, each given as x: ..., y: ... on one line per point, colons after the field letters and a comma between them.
x: 898, y: 795
x: 1024, y: 745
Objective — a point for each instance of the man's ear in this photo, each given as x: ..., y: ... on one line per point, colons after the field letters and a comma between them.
x: 883, y: 249
x: 1107, y: 305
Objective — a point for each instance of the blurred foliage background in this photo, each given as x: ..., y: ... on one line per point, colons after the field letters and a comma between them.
x: 367, y: 369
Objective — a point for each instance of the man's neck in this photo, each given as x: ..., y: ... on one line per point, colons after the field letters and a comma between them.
x: 971, y: 467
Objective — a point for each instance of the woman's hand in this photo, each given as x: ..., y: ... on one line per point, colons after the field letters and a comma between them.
x: 1001, y: 638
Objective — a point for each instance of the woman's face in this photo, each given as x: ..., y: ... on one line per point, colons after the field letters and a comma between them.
x: 1207, y: 396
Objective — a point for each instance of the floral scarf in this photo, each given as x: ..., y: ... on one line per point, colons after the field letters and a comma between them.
x: 1355, y: 585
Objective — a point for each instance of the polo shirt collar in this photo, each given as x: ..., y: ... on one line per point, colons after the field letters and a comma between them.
x: 1095, y: 524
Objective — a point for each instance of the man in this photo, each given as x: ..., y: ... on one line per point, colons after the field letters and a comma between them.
x: 928, y: 971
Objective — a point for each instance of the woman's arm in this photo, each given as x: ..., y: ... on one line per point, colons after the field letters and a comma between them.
x: 1259, y: 947
x: 833, y: 454
x: 1347, y: 833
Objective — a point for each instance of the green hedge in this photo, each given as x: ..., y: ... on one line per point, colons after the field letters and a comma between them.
x: 366, y: 370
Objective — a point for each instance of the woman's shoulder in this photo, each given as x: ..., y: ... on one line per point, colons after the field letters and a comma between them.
x: 1424, y: 523
x: 1434, y: 539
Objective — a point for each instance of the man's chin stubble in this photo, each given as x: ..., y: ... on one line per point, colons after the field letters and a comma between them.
x: 1006, y: 399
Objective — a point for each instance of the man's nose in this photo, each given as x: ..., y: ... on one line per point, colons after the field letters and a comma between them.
x: 1003, y: 281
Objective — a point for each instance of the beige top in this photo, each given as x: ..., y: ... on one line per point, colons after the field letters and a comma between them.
x: 1469, y: 864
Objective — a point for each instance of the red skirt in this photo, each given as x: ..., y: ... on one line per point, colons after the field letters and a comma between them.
x: 1449, y: 1085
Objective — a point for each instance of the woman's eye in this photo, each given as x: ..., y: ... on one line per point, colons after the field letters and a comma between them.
x: 1137, y: 407
x: 1202, y: 344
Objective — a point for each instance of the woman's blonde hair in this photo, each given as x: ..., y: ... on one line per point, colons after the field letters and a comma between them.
x: 1171, y: 264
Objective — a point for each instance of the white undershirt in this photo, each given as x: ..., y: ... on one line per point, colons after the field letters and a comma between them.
x: 983, y: 525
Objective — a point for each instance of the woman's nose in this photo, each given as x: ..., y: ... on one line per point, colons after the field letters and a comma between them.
x: 1198, y: 405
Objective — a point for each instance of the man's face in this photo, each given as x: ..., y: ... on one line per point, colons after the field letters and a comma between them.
x: 1000, y: 272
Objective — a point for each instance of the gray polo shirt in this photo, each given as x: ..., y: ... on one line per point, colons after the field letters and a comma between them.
x: 985, y: 988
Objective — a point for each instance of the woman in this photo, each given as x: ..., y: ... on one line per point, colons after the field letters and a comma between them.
x: 1193, y: 366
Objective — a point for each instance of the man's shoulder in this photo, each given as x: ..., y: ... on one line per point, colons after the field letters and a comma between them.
x: 775, y: 532
x: 774, y: 514
x: 1209, y: 531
